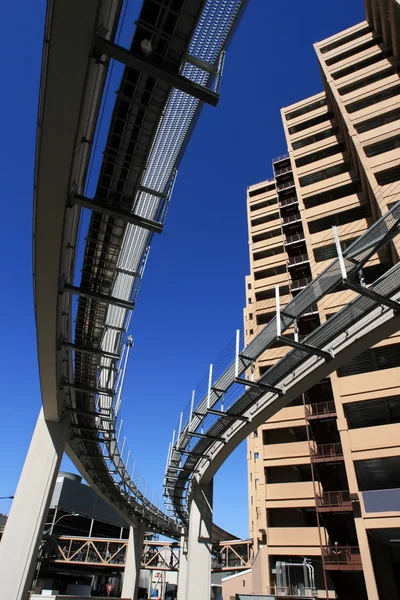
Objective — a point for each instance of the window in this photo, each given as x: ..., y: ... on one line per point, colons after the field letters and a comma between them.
x: 263, y: 204
x: 256, y: 481
x: 324, y: 174
x: 269, y: 272
x: 269, y: 252
x: 306, y: 109
x: 371, y: 60
x: 393, y: 115
x: 250, y: 316
x: 327, y: 252
x: 320, y: 154
x: 374, y: 359
x: 256, y: 456
x: 317, y: 137
x: 351, y: 52
x: 259, y: 237
x: 345, y: 40
x: 339, y: 192
x: 251, y: 331
x: 258, y: 516
x: 249, y: 300
x: 264, y: 219
x: 249, y: 286
x: 364, y: 81
x: 382, y: 147
x: 310, y: 123
x: 340, y: 218
x: 374, y: 99
x: 388, y: 176
x: 257, y: 192
x: 255, y: 433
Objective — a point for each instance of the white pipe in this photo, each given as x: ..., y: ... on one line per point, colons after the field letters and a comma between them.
x: 237, y: 353
x: 119, y: 430
x: 169, y: 452
x: 191, y: 411
x: 278, y: 312
x: 179, y: 429
x: 209, y: 386
x: 339, y: 253
x: 121, y: 384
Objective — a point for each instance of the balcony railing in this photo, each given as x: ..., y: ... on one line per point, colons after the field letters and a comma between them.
x: 285, y: 185
x: 334, y: 501
x: 288, y: 201
x: 283, y: 170
x: 327, y: 453
x: 298, y: 259
x: 298, y: 284
x: 279, y: 158
x: 321, y: 410
x: 291, y: 219
x: 343, y: 558
x: 296, y: 237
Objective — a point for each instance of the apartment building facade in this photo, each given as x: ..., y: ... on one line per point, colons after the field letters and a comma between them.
x: 324, y: 472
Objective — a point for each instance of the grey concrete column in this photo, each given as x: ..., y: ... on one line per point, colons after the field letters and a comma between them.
x: 133, y: 562
x: 183, y: 563
x: 23, y: 532
x: 198, y: 584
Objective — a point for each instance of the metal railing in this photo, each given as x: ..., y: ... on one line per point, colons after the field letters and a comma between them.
x: 299, y: 258
x: 298, y: 284
x: 327, y: 452
x: 292, y: 239
x: 285, y: 185
x: 320, y: 410
x: 288, y: 201
x: 337, y: 556
x: 279, y: 158
x: 338, y: 499
x: 291, y: 219
x: 283, y: 171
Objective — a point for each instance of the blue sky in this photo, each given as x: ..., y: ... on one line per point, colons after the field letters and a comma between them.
x: 192, y: 296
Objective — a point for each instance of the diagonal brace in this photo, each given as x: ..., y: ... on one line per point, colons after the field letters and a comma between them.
x: 327, y: 354
x: 375, y: 296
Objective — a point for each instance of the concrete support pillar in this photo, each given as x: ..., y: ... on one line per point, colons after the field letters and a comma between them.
x: 133, y: 562
x: 200, y: 543
x: 183, y: 565
x: 23, y: 532
x: 368, y: 568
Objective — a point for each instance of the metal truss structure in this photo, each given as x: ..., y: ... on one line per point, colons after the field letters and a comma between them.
x: 232, y: 555
x: 173, y: 65
x: 235, y: 404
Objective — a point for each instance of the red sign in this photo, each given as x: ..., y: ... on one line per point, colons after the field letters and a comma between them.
x: 109, y: 588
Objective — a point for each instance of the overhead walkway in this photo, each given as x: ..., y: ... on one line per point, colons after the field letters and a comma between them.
x: 234, y: 405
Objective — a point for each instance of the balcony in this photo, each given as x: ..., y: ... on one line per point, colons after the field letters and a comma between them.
x: 282, y: 171
x: 285, y: 185
x: 341, y: 558
x: 297, y: 260
x: 288, y: 201
x: 325, y: 453
x: 321, y: 410
x: 299, y: 284
x: 291, y: 219
x: 280, y: 158
x: 292, y: 239
x: 334, y: 502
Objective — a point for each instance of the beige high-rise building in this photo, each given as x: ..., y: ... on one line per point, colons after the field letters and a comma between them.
x: 324, y: 472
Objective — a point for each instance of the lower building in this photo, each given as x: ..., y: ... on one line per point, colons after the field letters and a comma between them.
x: 324, y: 472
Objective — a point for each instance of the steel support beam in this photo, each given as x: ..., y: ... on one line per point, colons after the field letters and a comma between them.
x: 146, y: 190
x: 327, y: 355
x: 88, y: 350
x: 113, y: 211
x: 262, y: 386
x: 204, y: 436
x: 73, y: 289
x: 368, y: 293
x: 150, y: 67
x: 80, y: 387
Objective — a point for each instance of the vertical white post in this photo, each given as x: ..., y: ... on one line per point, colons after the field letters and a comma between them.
x: 172, y: 443
x: 169, y: 452
x: 343, y: 271
x: 237, y: 353
x: 209, y: 386
x: 133, y: 562
x: 133, y: 468
x: 278, y: 312
x: 296, y: 331
x: 191, y: 411
x: 127, y: 460
x: 119, y: 429
x: 179, y: 430
x: 123, y: 446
